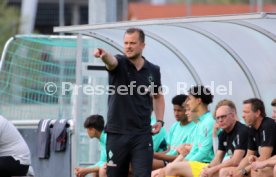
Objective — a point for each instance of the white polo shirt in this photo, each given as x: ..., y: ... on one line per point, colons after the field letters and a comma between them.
x: 12, y: 143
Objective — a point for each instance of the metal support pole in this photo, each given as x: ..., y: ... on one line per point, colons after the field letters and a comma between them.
x: 28, y: 14
x: 260, y: 6
x: 97, y: 11
x: 61, y: 12
x: 77, y: 98
x: 188, y: 8
x: 252, y: 6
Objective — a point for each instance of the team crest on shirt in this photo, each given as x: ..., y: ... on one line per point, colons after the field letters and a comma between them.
x: 151, y: 86
x: 224, y: 143
x: 110, y: 154
x: 110, y: 162
x: 150, y: 78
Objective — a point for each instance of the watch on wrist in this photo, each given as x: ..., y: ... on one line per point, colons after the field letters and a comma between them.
x: 162, y: 122
x: 244, y: 172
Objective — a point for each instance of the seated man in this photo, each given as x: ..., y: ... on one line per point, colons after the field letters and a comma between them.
x: 232, y: 140
x: 94, y: 125
x: 15, y: 156
x: 202, y: 150
x: 261, y: 140
x: 180, y: 132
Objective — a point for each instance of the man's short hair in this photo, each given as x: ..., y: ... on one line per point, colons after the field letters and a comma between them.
x: 94, y: 121
x: 139, y: 31
x: 228, y: 103
x: 179, y: 99
x: 273, y: 103
x: 203, y: 93
x: 256, y: 104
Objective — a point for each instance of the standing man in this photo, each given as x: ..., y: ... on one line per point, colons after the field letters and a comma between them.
x: 137, y: 91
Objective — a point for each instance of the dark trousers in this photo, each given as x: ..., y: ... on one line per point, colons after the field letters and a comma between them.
x: 11, y: 167
x: 124, y: 150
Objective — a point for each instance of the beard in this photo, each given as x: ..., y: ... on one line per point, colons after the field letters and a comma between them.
x: 134, y: 56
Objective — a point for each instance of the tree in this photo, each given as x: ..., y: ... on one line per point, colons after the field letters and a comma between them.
x: 9, y: 22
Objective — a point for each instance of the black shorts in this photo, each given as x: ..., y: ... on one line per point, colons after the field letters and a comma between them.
x: 11, y: 167
x: 124, y: 149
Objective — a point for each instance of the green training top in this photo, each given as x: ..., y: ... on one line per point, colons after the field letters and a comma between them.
x: 202, y: 149
x: 102, y: 160
x: 179, y: 134
x: 159, y: 139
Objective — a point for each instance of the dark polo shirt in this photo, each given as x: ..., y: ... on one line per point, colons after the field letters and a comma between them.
x: 236, y: 139
x: 130, y: 98
x: 265, y: 135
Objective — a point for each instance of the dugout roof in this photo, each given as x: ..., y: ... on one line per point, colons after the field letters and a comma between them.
x: 236, y: 51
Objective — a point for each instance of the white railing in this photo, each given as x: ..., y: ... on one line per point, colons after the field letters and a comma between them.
x: 34, y: 123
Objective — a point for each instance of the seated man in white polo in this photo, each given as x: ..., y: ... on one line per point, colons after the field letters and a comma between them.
x: 15, y: 157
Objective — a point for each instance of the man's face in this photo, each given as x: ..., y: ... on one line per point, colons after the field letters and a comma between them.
x: 248, y: 115
x: 191, y: 116
x: 192, y: 103
x: 179, y: 112
x: 274, y: 112
x: 225, y: 117
x: 133, y: 46
x: 91, y: 132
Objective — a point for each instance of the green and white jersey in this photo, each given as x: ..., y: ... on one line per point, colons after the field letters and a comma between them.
x: 202, y: 146
x: 102, y: 160
x: 179, y: 134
